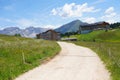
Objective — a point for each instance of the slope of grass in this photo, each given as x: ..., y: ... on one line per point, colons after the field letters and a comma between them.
x: 18, y: 55
x: 100, y: 36
x: 87, y: 37
x: 109, y: 52
x: 110, y: 36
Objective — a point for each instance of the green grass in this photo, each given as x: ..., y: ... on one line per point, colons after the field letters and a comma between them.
x: 110, y: 36
x: 99, y: 36
x: 109, y: 53
x: 87, y: 37
x: 18, y: 55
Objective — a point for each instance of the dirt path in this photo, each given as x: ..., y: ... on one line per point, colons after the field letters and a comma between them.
x: 73, y: 63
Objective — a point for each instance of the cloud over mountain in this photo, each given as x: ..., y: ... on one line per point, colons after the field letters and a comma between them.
x: 73, y: 10
x: 109, y: 14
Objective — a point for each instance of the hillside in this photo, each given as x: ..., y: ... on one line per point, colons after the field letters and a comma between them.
x: 110, y: 36
x: 18, y: 55
x: 70, y: 27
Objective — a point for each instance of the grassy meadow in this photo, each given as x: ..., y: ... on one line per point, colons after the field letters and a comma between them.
x: 18, y: 55
x: 106, y: 45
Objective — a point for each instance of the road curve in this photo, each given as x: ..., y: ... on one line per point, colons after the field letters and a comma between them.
x: 73, y: 63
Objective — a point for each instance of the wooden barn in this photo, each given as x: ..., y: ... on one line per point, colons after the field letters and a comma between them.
x: 49, y: 35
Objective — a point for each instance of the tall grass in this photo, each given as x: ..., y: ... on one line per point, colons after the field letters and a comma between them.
x: 18, y: 55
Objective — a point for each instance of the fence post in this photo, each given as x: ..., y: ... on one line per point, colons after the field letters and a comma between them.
x: 23, y: 57
x: 109, y: 52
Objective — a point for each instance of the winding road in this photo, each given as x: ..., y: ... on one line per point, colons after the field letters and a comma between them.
x: 72, y: 63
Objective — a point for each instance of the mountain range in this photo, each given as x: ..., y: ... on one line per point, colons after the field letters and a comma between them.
x: 27, y: 32
x: 32, y: 31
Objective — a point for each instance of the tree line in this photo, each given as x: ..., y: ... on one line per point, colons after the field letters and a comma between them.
x: 115, y: 25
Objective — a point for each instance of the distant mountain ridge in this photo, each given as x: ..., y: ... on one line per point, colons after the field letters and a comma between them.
x: 27, y: 32
x: 32, y: 31
x: 70, y: 27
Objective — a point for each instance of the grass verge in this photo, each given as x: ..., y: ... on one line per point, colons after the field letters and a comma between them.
x: 18, y: 55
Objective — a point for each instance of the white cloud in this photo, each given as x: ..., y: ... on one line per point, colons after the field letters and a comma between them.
x: 9, y: 8
x: 99, y: 1
x: 109, y: 10
x: 19, y: 22
x: 54, y: 12
x: 109, y: 15
x: 25, y: 22
x: 51, y: 26
x: 90, y: 19
x: 5, y: 19
x: 111, y: 20
x: 73, y: 10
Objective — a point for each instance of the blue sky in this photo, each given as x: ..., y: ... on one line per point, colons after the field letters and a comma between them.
x: 54, y: 13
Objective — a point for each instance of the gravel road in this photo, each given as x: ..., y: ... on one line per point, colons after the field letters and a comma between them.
x: 73, y: 63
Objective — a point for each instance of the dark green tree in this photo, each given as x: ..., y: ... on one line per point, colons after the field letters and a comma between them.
x: 115, y: 25
x: 18, y: 35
